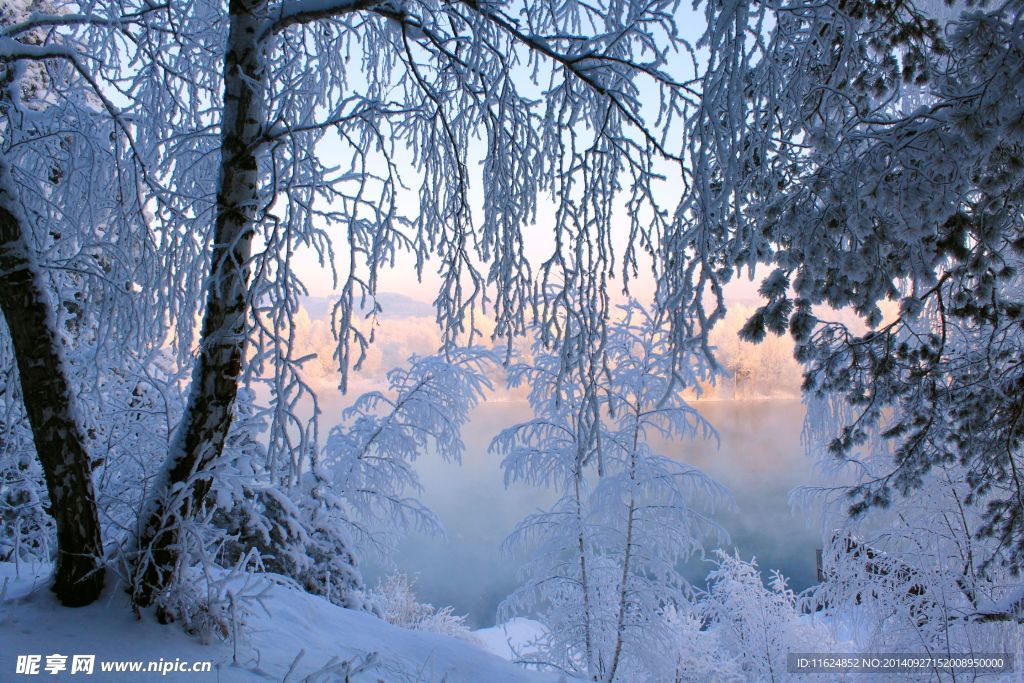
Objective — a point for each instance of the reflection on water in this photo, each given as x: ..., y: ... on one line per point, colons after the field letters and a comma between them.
x: 760, y: 459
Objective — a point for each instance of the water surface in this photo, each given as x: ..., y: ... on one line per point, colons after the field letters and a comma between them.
x: 759, y: 459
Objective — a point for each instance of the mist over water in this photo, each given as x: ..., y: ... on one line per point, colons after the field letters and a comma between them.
x: 759, y: 459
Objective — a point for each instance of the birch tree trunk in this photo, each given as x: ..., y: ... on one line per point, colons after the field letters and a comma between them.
x: 58, y: 439
x: 627, y: 554
x: 200, y: 437
x: 581, y: 548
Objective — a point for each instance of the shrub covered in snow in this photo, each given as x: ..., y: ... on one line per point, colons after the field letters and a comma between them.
x: 756, y: 625
x: 395, y: 600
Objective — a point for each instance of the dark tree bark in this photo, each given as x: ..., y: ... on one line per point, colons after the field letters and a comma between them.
x: 200, y: 437
x: 49, y: 404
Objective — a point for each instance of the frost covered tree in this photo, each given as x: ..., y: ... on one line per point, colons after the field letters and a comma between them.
x: 870, y: 153
x: 75, y: 255
x: 755, y: 626
x: 225, y: 109
x: 313, y: 524
x: 25, y: 528
x: 369, y: 457
x: 856, y: 147
x: 914, y: 576
x: 604, y: 576
x: 396, y: 599
x: 577, y: 103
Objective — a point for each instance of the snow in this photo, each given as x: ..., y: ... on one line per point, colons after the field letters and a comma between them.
x: 32, y: 622
x: 516, y: 633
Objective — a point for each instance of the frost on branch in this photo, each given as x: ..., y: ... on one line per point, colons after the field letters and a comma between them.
x: 360, y: 490
x: 869, y: 154
x: 400, y: 94
x: 913, y: 576
x: 604, y: 576
x: 396, y: 600
x: 757, y: 626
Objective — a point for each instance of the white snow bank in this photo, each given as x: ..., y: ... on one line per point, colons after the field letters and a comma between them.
x: 33, y: 623
x: 515, y: 633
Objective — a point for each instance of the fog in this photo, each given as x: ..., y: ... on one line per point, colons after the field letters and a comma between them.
x: 759, y: 458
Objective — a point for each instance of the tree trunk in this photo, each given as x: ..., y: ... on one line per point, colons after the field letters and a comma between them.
x: 50, y: 407
x: 627, y: 555
x: 581, y: 548
x: 200, y: 437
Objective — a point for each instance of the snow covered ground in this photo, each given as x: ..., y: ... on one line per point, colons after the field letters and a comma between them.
x: 32, y: 623
x: 515, y: 633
